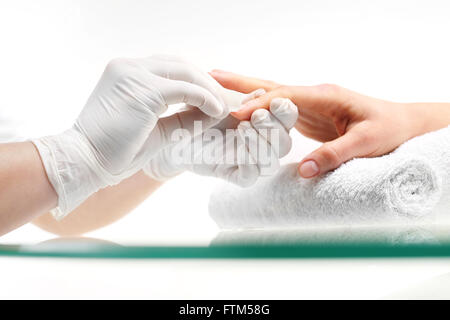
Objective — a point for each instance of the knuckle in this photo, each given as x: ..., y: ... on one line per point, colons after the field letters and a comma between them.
x: 189, y: 73
x: 366, y: 135
x: 329, y: 88
x: 118, y: 66
x: 283, y: 91
x: 331, y: 155
x: 203, y: 100
x: 365, y: 138
x: 272, y: 85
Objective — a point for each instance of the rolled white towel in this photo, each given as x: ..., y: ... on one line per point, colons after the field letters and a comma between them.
x: 408, y: 183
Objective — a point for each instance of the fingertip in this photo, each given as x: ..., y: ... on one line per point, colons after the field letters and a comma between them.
x: 214, y: 109
x: 212, y: 106
x: 217, y: 71
x: 308, y: 169
x: 239, y: 115
x: 213, y: 73
x: 217, y: 74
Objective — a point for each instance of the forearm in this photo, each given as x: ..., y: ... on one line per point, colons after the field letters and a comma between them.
x: 427, y: 117
x: 25, y: 192
x: 103, y: 207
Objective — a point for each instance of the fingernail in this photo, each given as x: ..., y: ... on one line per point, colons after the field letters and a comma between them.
x: 238, y: 115
x: 216, y: 72
x: 308, y: 169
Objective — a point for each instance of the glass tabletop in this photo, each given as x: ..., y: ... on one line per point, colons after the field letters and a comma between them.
x: 412, y: 241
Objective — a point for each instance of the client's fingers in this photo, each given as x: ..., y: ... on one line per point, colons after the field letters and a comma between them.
x: 261, y: 102
x: 325, y: 99
x: 240, y: 83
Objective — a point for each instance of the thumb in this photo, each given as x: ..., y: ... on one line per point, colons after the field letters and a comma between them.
x: 332, y: 154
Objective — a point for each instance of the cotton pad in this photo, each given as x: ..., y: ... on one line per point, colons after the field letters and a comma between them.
x: 234, y: 100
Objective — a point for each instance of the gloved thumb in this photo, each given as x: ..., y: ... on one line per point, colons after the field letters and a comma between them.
x: 331, y: 155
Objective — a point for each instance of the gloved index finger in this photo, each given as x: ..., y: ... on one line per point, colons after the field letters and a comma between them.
x: 175, y: 91
x: 175, y: 68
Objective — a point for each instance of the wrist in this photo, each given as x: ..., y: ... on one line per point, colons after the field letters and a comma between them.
x: 71, y: 169
x: 419, y: 116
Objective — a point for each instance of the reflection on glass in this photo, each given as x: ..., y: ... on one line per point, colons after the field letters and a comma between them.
x: 391, y: 235
x: 324, y: 242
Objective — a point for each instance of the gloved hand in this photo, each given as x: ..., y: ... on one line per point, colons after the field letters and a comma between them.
x: 118, y: 131
x: 246, y: 163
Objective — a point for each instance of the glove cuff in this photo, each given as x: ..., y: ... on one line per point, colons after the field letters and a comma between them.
x: 71, y: 168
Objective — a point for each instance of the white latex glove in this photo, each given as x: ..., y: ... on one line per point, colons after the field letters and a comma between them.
x: 118, y: 131
x: 191, y: 73
x: 282, y: 117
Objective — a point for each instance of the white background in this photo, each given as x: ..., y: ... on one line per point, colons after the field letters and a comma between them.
x: 52, y: 53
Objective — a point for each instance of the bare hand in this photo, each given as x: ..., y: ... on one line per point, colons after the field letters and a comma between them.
x: 350, y: 124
